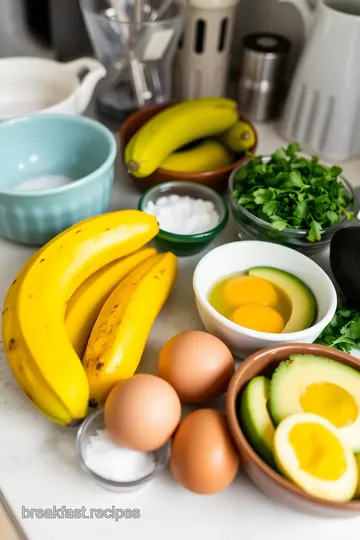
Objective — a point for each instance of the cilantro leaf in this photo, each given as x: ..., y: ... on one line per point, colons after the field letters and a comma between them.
x: 279, y: 225
x: 343, y: 331
x: 294, y: 180
x: 315, y: 231
x: 301, y: 209
x: 280, y: 154
x: 270, y: 208
x: 332, y: 217
x: 262, y: 195
x: 354, y: 330
x: 292, y: 149
x: 349, y: 215
x: 245, y: 199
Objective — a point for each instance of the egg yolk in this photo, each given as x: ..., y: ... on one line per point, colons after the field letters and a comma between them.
x: 261, y: 318
x: 331, y: 402
x: 318, y: 451
x: 243, y: 290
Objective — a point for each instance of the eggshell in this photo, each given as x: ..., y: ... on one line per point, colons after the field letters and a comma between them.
x: 203, y: 456
x: 141, y: 413
x: 197, y: 364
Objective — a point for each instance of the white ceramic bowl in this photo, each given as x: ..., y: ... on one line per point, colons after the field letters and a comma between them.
x: 239, y: 257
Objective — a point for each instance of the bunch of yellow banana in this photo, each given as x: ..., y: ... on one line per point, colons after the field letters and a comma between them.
x: 214, y: 122
x: 54, y: 302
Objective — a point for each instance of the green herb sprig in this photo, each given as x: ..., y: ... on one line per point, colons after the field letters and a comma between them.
x: 291, y: 191
x: 343, y: 332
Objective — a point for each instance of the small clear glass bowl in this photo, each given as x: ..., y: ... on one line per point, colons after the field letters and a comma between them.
x: 250, y: 227
x: 89, y: 428
x: 184, y: 245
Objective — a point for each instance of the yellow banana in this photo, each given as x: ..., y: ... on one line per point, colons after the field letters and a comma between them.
x: 120, y: 333
x: 129, y: 148
x: 207, y: 156
x: 19, y: 364
x: 173, y: 128
x: 35, y: 341
x: 85, y: 304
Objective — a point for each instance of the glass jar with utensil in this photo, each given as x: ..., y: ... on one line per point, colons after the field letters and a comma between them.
x: 136, y: 41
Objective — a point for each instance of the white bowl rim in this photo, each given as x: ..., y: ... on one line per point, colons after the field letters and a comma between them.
x: 279, y: 338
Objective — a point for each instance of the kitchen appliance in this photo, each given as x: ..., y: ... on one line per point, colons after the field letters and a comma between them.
x: 323, y: 106
x: 30, y: 85
x: 261, y: 84
x: 203, y: 60
x: 289, y: 18
x: 138, y: 55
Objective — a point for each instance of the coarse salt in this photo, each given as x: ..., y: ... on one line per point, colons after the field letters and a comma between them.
x: 183, y: 214
x: 112, y: 462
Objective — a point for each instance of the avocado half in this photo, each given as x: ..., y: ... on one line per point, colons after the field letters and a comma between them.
x: 303, y: 303
x: 255, y: 419
x: 292, y: 377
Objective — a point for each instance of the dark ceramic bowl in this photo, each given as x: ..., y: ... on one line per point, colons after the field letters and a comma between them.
x: 264, y: 477
x: 217, y: 180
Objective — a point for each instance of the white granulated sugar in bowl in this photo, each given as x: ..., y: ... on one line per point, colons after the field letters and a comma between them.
x: 183, y: 214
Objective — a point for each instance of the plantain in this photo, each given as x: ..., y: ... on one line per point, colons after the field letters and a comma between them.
x: 119, y: 336
x: 209, y: 155
x: 85, y: 304
x: 34, y: 334
x: 175, y: 127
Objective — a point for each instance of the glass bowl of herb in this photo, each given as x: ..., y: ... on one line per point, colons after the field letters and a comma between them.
x: 290, y: 199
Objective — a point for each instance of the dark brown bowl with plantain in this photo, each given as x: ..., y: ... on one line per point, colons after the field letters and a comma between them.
x: 216, y: 179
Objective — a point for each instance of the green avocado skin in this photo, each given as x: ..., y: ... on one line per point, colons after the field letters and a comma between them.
x: 303, y: 299
x: 248, y: 424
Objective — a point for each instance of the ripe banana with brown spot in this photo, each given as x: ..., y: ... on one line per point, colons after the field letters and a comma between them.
x: 120, y: 333
x: 34, y: 333
x: 85, y: 304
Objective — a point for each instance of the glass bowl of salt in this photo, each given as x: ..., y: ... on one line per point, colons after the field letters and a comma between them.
x: 190, y: 215
x: 114, y: 468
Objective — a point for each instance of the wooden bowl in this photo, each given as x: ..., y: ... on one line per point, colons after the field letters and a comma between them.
x: 217, y: 180
x: 264, y: 477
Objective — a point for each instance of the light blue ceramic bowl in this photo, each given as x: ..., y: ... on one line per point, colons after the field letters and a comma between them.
x: 43, y: 145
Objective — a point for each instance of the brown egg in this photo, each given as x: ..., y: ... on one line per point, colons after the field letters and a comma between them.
x: 142, y: 412
x: 203, y: 456
x: 198, y: 365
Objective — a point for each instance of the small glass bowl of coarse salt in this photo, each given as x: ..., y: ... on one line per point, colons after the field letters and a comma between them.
x: 190, y: 215
x: 112, y: 467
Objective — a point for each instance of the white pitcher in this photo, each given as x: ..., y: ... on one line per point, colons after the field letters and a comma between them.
x: 322, y: 111
x: 30, y: 85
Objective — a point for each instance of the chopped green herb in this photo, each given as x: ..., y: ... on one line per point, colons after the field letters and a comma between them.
x: 343, y: 332
x: 291, y: 191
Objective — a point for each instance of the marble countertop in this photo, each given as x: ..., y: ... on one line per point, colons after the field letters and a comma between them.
x: 38, y: 463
